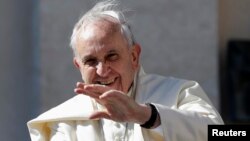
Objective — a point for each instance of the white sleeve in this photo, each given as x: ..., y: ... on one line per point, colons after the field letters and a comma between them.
x: 189, y: 119
x: 62, y: 131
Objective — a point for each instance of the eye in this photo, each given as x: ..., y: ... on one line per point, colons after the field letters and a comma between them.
x: 90, y: 62
x: 112, y: 57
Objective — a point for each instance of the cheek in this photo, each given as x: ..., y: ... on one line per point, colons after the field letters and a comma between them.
x: 87, y: 74
x: 127, y: 72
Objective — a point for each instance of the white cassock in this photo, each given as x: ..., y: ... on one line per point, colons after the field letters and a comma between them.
x: 184, y: 109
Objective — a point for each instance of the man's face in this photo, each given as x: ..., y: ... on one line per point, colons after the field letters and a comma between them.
x: 103, y: 56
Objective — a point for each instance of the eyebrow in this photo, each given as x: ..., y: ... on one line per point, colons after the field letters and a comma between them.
x: 112, y: 51
x: 87, y: 58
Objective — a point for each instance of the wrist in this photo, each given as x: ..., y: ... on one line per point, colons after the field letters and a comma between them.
x: 145, y: 111
x: 153, y: 120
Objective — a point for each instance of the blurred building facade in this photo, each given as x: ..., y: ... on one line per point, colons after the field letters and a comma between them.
x: 179, y: 38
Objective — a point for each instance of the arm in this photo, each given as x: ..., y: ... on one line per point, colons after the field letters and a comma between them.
x: 188, y: 120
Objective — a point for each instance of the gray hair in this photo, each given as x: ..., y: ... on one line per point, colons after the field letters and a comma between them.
x: 102, y: 10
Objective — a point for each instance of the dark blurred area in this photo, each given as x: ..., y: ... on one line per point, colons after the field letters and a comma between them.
x: 235, y: 100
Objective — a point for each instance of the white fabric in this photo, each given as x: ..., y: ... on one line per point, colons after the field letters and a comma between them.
x: 184, y: 109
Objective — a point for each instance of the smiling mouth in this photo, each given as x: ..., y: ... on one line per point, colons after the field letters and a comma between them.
x: 108, y: 82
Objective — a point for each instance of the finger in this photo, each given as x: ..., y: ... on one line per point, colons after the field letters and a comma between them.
x: 78, y: 90
x: 114, y: 95
x: 85, y: 92
x: 100, y: 114
x: 91, y: 94
x: 80, y: 85
x: 96, y: 88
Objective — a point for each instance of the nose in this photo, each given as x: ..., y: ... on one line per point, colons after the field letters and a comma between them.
x: 102, y: 69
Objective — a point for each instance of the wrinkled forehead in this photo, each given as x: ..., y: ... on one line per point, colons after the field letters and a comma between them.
x: 99, y: 34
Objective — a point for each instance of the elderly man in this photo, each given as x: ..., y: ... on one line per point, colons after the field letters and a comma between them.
x: 117, y: 100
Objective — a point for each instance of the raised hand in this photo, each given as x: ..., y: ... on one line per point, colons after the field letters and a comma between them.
x: 118, y: 106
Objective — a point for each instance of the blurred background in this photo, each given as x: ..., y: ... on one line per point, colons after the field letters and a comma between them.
x: 202, y: 40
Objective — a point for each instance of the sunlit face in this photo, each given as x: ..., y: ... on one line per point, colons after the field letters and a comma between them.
x: 103, y: 56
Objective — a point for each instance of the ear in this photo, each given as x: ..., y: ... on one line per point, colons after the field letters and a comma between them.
x: 136, y: 51
x: 75, y: 62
